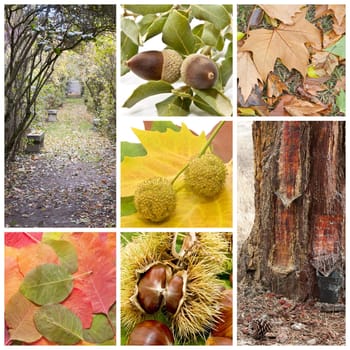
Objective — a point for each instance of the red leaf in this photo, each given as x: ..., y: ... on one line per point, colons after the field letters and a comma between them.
x: 22, y: 239
x: 95, y: 256
x: 80, y: 304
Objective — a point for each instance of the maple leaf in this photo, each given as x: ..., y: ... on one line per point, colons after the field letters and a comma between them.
x: 248, y: 76
x: 167, y: 154
x: 286, y: 42
x: 21, y: 239
x: 297, y: 107
x: 284, y: 13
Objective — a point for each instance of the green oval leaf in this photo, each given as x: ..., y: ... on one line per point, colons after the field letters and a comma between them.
x: 146, y: 90
x: 341, y: 101
x: 128, y: 50
x: 215, y: 14
x: 58, y: 324
x: 100, y: 330
x: 66, y: 253
x: 19, y: 313
x: 174, y: 106
x: 130, y: 29
x: 215, y: 100
x: 147, y: 9
x: 48, y: 283
x: 177, y: 33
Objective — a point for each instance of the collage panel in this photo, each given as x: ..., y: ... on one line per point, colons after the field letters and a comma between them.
x: 291, y: 260
x: 176, y: 60
x: 60, y: 125
x: 176, y: 175
x: 176, y: 288
x: 60, y: 288
x: 291, y: 60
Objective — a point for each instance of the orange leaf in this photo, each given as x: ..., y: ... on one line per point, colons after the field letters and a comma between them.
x: 13, y: 278
x: 284, y: 13
x: 248, y: 76
x: 286, y: 42
x: 33, y: 255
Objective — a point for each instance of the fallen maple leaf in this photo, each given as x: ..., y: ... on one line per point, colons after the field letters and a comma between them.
x: 286, y: 42
x: 324, y: 63
x: 339, y: 13
x: 248, y: 76
x: 296, y: 107
x: 275, y: 87
x: 284, y: 13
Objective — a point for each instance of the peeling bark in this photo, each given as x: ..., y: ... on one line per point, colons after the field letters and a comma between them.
x: 299, y: 223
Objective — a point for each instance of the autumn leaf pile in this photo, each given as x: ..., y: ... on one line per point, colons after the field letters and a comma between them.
x: 291, y: 61
x: 60, y: 288
x: 164, y: 154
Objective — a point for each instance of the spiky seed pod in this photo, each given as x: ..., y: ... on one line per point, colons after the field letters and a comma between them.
x: 199, y: 71
x: 157, y: 65
x: 144, y: 250
x: 199, y: 311
x: 212, y: 248
x: 259, y: 328
x: 205, y: 176
x: 155, y: 199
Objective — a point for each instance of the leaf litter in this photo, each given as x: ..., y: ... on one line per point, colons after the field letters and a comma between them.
x: 71, y: 183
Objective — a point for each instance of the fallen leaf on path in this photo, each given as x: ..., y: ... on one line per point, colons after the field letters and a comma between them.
x: 297, y: 107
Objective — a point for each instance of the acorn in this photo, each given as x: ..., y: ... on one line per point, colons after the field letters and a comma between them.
x: 206, y: 175
x: 151, y: 332
x: 156, y: 65
x: 199, y: 71
x: 155, y: 199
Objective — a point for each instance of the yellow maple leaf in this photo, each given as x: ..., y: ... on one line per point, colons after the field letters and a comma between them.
x: 167, y: 154
x: 286, y: 42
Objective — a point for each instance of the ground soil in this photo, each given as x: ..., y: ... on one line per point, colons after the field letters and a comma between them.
x: 70, y: 183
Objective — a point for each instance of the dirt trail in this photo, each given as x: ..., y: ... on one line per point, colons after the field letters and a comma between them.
x: 71, y: 183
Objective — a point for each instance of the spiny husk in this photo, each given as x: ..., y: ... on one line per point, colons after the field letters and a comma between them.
x: 144, y: 250
x: 201, y: 305
x: 211, y: 248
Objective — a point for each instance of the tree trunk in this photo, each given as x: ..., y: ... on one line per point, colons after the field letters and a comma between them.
x: 298, y: 236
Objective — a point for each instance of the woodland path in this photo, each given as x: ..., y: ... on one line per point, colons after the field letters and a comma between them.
x: 71, y: 183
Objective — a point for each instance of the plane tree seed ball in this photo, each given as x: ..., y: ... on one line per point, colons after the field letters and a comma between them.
x: 155, y: 199
x: 205, y: 176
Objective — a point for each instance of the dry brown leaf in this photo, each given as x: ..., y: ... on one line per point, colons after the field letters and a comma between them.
x: 248, y: 76
x: 296, y: 107
x: 275, y: 88
x: 339, y: 13
x: 279, y: 110
x: 320, y: 10
x: 330, y: 38
x: 314, y: 85
x: 284, y: 13
x: 284, y: 42
x: 340, y: 84
x: 339, y: 29
x: 324, y: 63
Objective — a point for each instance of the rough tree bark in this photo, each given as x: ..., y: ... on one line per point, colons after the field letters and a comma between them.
x: 299, y: 227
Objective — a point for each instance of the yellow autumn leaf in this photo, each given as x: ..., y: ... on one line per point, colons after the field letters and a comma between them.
x: 167, y: 154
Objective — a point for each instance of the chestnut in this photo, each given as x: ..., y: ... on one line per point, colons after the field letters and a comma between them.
x: 150, y: 288
x: 156, y: 65
x: 199, y: 71
x: 174, y: 294
x: 224, y: 327
x: 151, y: 332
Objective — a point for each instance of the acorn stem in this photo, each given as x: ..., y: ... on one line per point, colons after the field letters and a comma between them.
x: 203, y: 150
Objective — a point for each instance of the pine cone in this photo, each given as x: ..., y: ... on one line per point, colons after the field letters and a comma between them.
x: 259, y: 327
